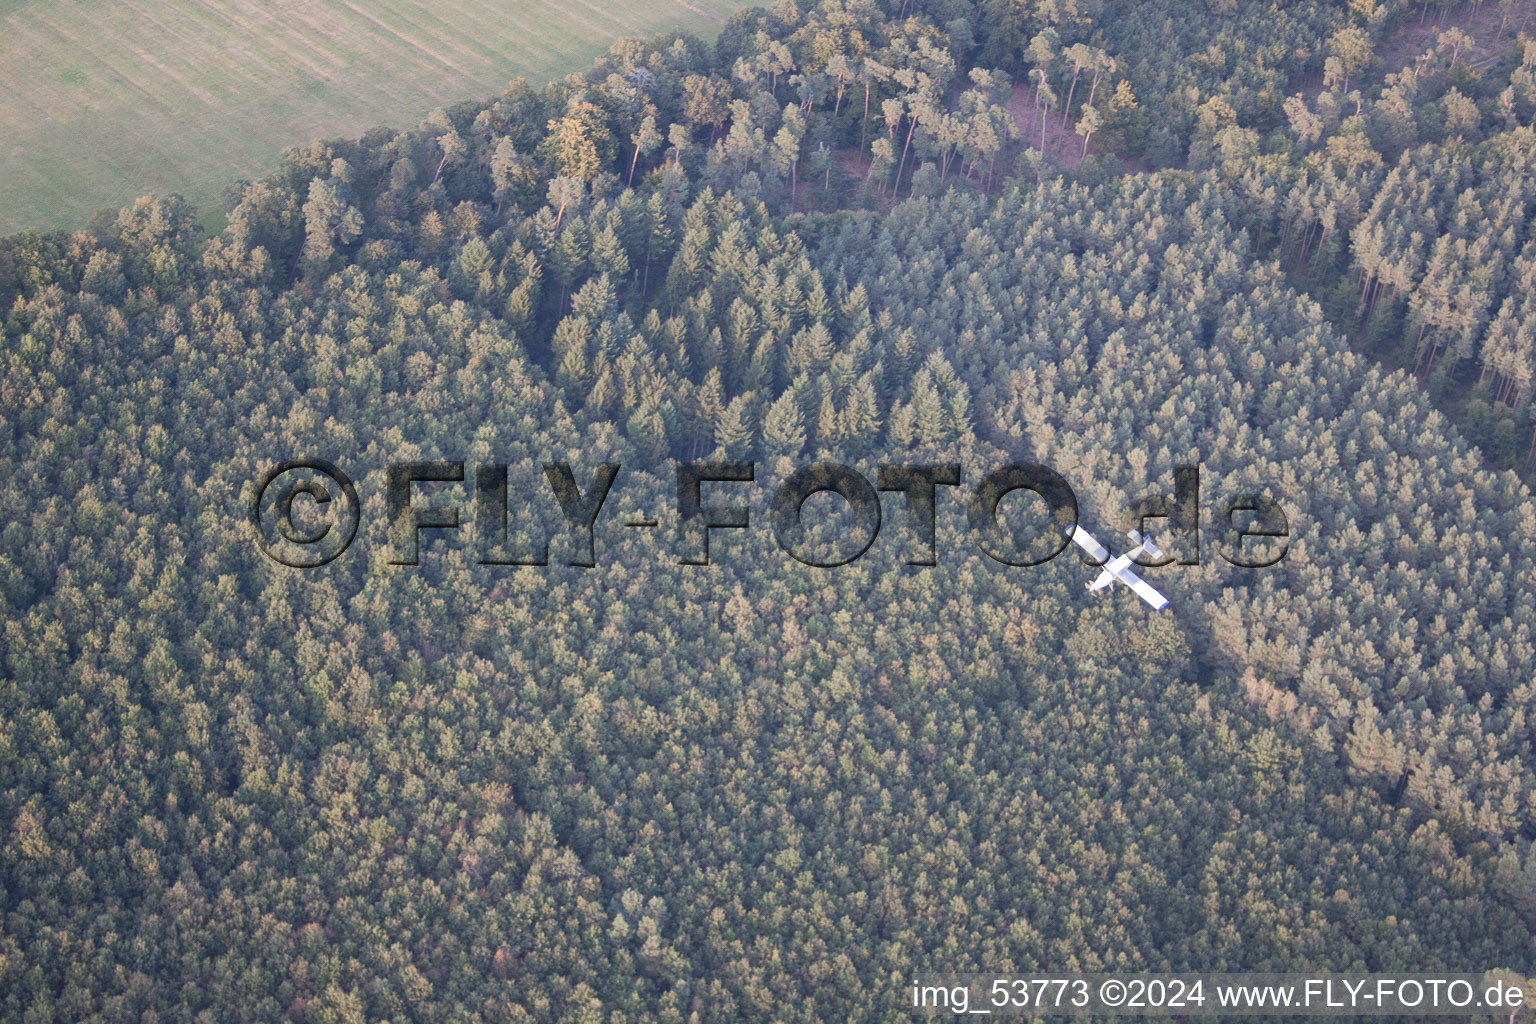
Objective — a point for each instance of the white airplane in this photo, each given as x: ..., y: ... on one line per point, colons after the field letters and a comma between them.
x: 1119, y: 568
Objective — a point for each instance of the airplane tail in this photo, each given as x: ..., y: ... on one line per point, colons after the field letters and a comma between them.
x: 1146, y: 544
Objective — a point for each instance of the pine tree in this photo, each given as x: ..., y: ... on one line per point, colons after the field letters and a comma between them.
x: 784, y: 428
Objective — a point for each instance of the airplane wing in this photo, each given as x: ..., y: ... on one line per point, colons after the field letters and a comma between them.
x: 1083, y: 539
x: 1142, y: 589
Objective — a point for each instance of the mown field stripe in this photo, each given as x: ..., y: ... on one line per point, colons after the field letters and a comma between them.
x: 103, y: 102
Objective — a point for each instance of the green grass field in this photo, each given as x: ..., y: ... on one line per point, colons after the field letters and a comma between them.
x: 102, y: 102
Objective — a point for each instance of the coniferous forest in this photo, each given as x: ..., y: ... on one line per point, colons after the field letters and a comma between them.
x: 1289, y: 242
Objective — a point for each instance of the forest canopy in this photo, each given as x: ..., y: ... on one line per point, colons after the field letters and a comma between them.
x: 866, y: 231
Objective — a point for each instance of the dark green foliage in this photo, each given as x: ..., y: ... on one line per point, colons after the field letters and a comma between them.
x: 760, y: 791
